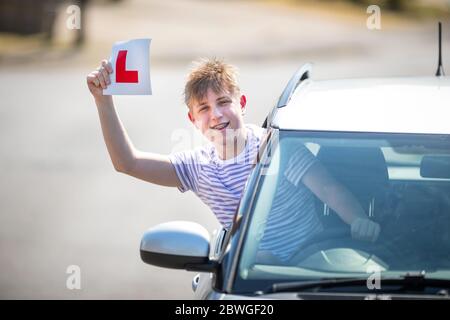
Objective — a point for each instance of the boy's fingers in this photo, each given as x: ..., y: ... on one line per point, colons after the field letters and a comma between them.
x: 105, y: 75
x: 355, y: 228
x: 101, y: 79
x: 365, y: 229
x: 92, y: 78
x: 107, y: 65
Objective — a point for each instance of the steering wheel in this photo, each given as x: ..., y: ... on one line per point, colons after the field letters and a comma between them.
x: 333, y: 238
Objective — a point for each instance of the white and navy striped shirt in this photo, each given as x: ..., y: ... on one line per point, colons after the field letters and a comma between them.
x: 218, y: 183
x: 292, y: 218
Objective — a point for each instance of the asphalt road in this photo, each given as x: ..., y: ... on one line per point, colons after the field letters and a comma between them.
x: 62, y: 203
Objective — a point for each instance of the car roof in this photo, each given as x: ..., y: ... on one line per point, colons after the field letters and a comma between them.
x: 385, y: 105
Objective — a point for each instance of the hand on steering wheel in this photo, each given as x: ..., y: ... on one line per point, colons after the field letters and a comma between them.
x: 365, y: 229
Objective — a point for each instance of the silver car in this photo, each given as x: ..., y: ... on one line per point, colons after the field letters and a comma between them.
x: 388, y: 142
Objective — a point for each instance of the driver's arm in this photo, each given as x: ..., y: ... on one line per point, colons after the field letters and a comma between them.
x: 341, y: 200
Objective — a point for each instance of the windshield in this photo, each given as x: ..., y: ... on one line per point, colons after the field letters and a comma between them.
x: 302, y: 224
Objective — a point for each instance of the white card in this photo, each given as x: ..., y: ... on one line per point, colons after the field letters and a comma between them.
x: 130, y: 61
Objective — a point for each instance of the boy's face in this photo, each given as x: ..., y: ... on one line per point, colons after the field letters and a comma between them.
x: 218, y: 116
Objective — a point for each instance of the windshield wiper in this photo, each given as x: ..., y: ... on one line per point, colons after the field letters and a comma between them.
x: 409, y: 281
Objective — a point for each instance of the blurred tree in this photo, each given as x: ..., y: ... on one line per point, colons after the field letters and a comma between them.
x: 27, y: 17
x: 395, y: 5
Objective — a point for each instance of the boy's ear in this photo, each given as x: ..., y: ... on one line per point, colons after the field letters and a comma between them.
x: 243, y: 103
x: 191, y: 118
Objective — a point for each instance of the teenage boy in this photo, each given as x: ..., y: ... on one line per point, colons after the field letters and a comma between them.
x: 217, y: 173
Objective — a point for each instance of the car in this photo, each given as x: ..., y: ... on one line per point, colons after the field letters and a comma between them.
x: 387, y: 140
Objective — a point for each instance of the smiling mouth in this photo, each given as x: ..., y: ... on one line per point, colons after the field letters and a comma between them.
x: 221, y: 126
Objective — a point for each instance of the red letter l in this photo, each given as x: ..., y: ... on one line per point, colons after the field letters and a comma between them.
x: 123, y: 75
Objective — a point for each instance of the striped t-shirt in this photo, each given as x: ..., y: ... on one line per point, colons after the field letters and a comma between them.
x: 292, y: 218
x: 218, y: 183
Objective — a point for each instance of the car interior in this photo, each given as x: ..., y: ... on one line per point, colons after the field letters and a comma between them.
x: 407, y: 192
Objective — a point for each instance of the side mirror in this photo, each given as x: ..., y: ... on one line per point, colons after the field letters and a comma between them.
x: 177, y: 245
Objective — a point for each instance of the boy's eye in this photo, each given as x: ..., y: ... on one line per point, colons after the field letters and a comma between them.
x: 223, y: 102
x: 203, y: 109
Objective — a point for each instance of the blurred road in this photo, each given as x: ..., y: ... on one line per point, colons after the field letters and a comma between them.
x: 61, y: 201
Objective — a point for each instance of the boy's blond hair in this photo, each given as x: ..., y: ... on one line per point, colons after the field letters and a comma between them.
x: 210, y: 73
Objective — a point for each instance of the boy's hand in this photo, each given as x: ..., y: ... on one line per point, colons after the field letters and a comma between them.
x: 99, y: 79
x: 365, y: 229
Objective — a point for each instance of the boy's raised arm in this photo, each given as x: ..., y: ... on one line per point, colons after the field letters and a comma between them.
x: 151, y: 167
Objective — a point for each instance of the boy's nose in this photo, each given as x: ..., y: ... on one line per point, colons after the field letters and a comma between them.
x: 216, y: 112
